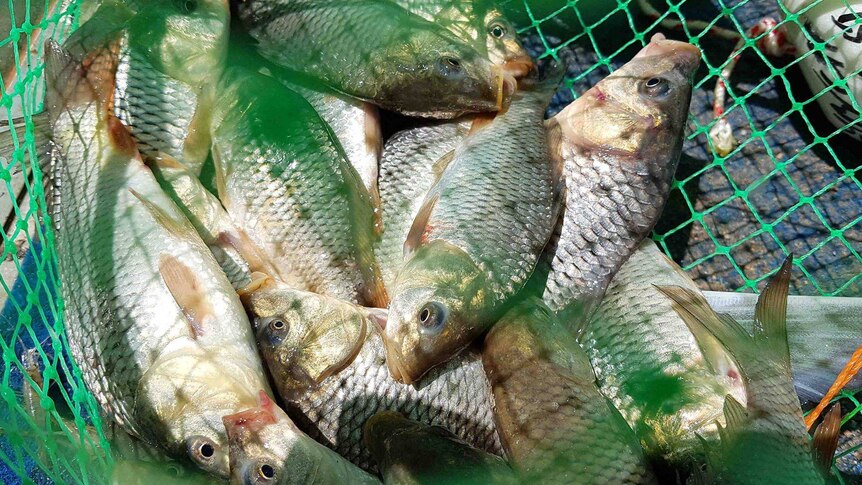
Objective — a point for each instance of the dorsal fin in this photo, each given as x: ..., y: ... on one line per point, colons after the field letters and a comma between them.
x: 770, y: 314
x: 440, y: 165
x: 420, y: 224
x: 187, y: 291
x: 825, y: 440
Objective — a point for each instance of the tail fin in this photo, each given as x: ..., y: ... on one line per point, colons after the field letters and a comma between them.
x: 826, y: 439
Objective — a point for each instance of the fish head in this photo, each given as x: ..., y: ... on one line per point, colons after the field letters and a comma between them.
x: 640, y: 110
x: 184, y: 39
x: 261, y: 440
x: 503, y: 45
x: 303, y: 337
x: 436, y: 75
x: 437, y: 310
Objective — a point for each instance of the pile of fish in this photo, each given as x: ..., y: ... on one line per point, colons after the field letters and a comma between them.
x: 261, y: 280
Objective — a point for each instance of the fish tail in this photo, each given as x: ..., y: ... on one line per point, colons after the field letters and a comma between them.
x: 825, y: 440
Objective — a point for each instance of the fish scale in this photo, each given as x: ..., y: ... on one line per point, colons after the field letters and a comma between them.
x: 456, y: 396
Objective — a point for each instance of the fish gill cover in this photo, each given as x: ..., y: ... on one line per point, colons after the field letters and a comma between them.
x: 788, y: 182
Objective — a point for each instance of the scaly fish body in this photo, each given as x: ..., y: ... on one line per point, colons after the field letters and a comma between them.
x: 161, y: 338
x: 378, y: 52
x: 555, y: 425
x: 406, y: 176
x: 476, y: 239
x: 266, y: 447
x: 669, y: 385
x: 283, y: 176
x: 619, y: 143
x: 328, y: 362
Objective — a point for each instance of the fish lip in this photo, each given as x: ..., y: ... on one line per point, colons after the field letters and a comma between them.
x: 394, y: 359
x: 505, y: 86
x: 519, y: 66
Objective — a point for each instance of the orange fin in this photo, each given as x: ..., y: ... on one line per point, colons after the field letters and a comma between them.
x: 825, y: 440
x: 120, y: 137
x: 187, y: 292
x: 480, y: 121
x: 420, y: 223
x: 373, y: 132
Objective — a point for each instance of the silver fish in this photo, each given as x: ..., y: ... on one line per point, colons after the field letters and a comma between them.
x: 159, y: 334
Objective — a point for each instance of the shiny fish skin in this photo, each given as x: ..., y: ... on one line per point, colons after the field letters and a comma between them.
x: 620, y: 143
x: 476, y: 239
x: 287, y: 181
x: 555, y: 425
x: 145, y: 336
x: 376, y: 51
x: 406, y: 175
x: 637, y: 343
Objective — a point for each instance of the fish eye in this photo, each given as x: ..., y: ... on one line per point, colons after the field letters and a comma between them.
x: 189, y: 6
x: 202, y: 450
x: 266, y: 471
x: 277, y: 324
x: 432, y: 317
x: 655, y: 87
x: 497, y: 30
x: 452, y: 62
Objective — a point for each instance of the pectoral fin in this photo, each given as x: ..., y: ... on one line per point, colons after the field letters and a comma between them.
x: 188, y: 293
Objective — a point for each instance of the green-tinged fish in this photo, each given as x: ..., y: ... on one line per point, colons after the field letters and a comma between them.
x: 555, y: 425
x: 376, y: 51
x: 620, y: 143
x: 668, y: 384
x: 765, y: 441
x: 327, y: 361
x: 479, y: 23
x: 157, y: 330
x: 409, y: 452
x: 477, y: 237
x: 266, y: 447
x: 406, y: 176
x: 283, y: 176
x: 170, y: 50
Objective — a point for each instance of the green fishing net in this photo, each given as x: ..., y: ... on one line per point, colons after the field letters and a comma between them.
x: 790, y: 183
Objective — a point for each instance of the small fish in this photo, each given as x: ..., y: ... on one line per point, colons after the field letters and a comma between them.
x: 409, y: 452
x: 328, y: 363
x: 477, y: 237
x: 378, y: 52
x: 162, y: 340
x: 406, y: 176
x: 554, y: 423
x: 620, y: 143
x: 266, y: 447
x: 480, y: 24
x: 287, y: 181
x: 765, y: 441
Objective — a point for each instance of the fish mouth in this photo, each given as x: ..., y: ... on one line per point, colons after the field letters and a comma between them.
x: 395, y: 364
x: 253, y: 419
x: 519, y: 66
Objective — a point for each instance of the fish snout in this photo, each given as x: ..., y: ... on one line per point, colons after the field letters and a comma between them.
x: 685, y: 55
x: 519, y: 66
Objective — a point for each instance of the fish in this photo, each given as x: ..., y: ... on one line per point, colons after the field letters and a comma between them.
x: 477, y: 236
x: 620, y: 143
x: 267, y: 447
x: 406, y: 175
x: 161, y: 338
x: 765, y: 440
x: 328, y: 364
x: 170, y: 50
x: 287, y: 181
x: 378, y: 52
x: 668, y: 383
x: 480, y: 24
x: 409, y: 452
x: 554, y: 422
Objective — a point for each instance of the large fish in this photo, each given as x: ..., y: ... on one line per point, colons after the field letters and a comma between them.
x: 555, y: 425
x: 157, y: 330
x: 286, y: 180
x: 668, y: 384
x: 476, y: 238
x: 406, y: 176
x: 376, y: 51
x: 479, y: 23
x: 409, y: 452
x: 766, y: 440
x: 620, y: 143
x: 328, y: 363
x: 266, y: 447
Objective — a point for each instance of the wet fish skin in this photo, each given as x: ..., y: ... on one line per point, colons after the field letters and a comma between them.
x: 288, y: 182
x: 668, y: 383
x: 555, y: 425
x: 477, y: 237
x: 409, y: 452
x: 406, y: 175
x: 267, y: 447
x: 765, y: 441
x: 146, y: 338
x: 620, y: 143
x: 378, y: 52
x: 328, y: 362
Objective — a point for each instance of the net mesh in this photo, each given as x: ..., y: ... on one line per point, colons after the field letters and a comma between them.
x: 790, y: 185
